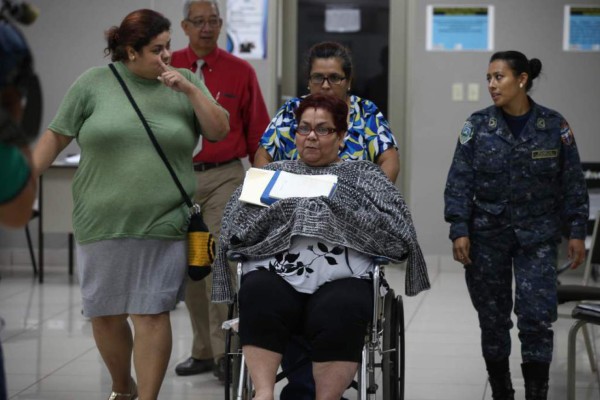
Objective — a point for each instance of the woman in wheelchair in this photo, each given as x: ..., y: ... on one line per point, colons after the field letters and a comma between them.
x: 309, y: 259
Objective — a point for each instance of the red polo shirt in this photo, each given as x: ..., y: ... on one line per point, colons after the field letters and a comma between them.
x: 232, y: 82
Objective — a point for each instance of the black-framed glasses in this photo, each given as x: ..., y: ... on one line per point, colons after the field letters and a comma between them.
x: 320, y: 130
x: 201, y: 23
x: 333, y: 79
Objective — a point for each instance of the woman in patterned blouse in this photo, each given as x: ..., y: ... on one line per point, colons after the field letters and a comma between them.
x: 368, y: 137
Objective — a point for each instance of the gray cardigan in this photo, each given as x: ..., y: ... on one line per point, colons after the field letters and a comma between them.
x: 366, y: 213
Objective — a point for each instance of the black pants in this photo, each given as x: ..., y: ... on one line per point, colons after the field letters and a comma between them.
x: 333, y: 320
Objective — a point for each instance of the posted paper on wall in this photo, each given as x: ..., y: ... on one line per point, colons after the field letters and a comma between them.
x: 581, y: 31
x: 247, y: 28
x: 460, y: 28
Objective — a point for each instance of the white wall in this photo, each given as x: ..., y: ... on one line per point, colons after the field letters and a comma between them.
x: 68, y: 38
x: 568, y: 83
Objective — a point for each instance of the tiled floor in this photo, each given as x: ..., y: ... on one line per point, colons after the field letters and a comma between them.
x: 50, y: 353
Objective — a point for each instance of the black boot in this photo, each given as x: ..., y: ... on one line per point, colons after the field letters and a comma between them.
x: 499, y: 377
x: 536, y: 376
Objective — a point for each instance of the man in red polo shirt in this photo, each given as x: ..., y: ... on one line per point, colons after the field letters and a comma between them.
x: 233, y: 83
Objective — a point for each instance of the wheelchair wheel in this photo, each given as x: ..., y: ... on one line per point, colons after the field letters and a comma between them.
x: 233, y: 361
x: 230, y: 356
x: 392, y: 363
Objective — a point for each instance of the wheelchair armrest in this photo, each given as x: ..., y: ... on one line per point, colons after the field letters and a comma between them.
x: 381, y: 260
x: 566, y: 293
x: 236, y: 257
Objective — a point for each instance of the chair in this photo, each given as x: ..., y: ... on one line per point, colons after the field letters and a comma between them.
x: 38, y: 268
x: 584, y: 314
x: 384, y: 347
x: 582, y: 293
x: 34, y: 214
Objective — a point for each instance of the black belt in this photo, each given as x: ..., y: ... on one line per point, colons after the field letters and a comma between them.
x: 205, y: 166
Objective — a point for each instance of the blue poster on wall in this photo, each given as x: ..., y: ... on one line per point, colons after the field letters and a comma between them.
x: 460, y: 28
x: 582, y: 28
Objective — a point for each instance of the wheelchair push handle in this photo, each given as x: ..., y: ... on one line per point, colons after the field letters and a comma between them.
x: 378, y: 260
x: 235, y: 256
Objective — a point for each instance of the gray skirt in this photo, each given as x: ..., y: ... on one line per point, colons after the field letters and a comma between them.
x: 131, y: 276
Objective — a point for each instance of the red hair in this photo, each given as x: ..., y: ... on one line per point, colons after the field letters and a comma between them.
x: 137, y: 29
x: 334, y: 105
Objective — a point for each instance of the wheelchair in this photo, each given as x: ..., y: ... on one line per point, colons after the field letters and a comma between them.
x: 380, y: 374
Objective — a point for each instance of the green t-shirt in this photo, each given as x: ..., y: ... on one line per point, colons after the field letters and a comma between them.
x: 122, y: 188
x: 14, y: 172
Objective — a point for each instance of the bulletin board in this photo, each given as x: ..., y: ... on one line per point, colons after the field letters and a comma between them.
x: 581, y: 30
x: 247, y: 28
x: 460, y: 28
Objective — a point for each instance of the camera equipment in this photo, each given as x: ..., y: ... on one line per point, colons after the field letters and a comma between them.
x: 18, y: 83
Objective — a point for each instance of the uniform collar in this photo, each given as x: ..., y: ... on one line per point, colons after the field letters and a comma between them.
x: 497, y: 124
x: 537, y: 122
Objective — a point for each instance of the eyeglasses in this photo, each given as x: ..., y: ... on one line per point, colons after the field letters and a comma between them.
x: 320, y: 130
x: 201, y: 23
x: 318, y: 79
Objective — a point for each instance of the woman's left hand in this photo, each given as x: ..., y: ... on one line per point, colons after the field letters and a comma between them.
x: 461, y: 249
x: 576, y: 252
x: 173, y: 79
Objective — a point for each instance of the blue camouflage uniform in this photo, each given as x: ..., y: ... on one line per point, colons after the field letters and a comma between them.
x: 511, y: 196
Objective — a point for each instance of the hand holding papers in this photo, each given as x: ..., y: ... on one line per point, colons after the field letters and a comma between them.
x: 262, y: 187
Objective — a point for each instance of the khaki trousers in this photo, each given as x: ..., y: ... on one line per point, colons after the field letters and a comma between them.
x: 215, y: 187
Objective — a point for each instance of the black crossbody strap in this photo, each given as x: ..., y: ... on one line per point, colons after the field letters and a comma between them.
x: 162, y: 155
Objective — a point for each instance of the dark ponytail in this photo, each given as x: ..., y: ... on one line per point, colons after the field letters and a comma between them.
x: 520, y: 64
x: 112, y: 40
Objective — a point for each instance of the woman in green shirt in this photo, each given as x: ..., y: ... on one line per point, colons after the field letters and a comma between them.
x: 129, y: 218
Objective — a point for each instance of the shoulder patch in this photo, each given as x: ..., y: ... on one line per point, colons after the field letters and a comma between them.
x: 467, y: 132
x: 566, y: 134
x: 540, y: 123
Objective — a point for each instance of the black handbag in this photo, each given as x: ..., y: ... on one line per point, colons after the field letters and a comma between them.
x: 201, y: 244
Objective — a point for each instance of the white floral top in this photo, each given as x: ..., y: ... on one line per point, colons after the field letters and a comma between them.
x: 311, y: 262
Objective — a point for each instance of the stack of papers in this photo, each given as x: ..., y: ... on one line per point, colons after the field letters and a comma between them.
x: 263, y: 188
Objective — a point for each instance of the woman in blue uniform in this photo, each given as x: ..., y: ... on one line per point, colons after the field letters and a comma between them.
x: 515, y: 180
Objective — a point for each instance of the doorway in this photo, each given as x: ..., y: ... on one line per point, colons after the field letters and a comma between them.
x: 360, y: 25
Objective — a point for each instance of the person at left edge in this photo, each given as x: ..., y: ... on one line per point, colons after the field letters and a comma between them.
x: 129, y: 219
x: 232, y: 81
x: 17, y: 187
